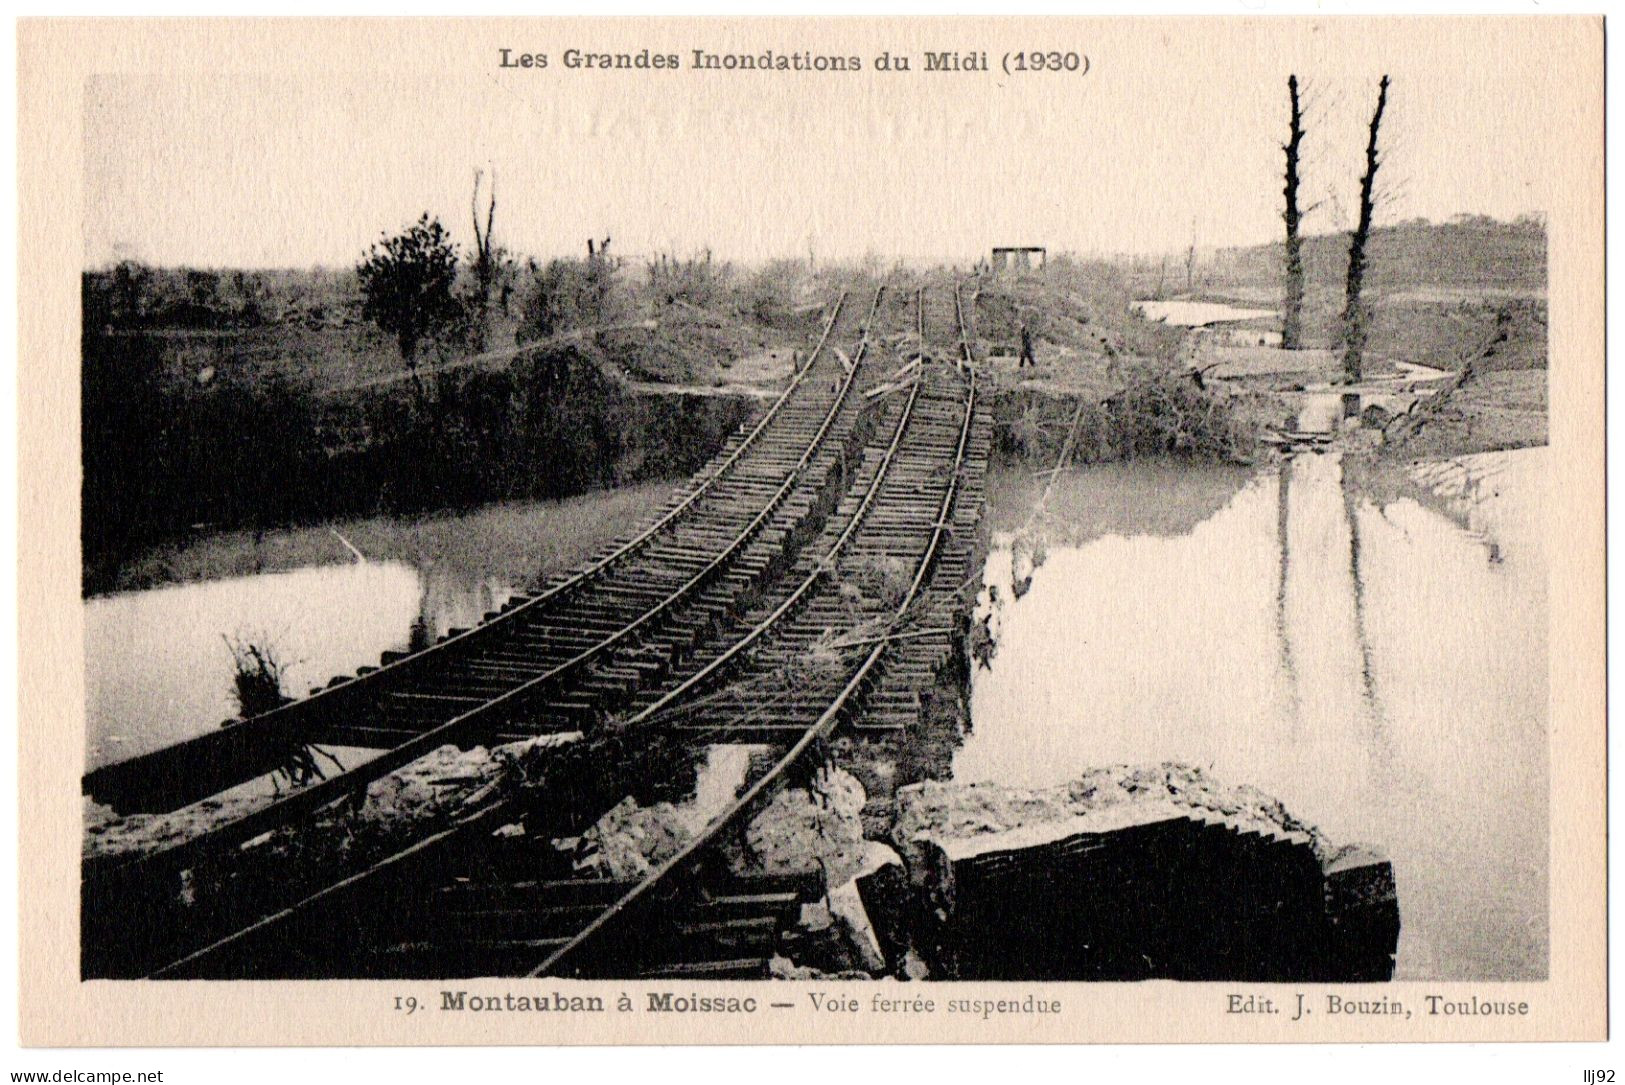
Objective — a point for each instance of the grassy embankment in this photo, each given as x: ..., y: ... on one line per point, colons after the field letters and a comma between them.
x: 217, y: 402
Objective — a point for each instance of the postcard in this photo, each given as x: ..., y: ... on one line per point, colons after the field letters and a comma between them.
x: 887, y: 530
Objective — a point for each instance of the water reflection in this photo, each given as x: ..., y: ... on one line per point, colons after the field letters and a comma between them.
x: 1379, y: 667
x: 452, y: 598
x: 158, y: 670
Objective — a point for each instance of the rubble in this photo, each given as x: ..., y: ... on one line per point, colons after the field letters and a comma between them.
x: 1133, y: 873
x: 631, y: 840
x: 806, y: 829
x: 421, y: 790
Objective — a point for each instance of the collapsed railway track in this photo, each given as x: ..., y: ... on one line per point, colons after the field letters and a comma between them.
x: 722, y: 502
x: 882, y: 483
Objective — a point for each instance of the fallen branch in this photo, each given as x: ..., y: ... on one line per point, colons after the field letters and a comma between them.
x: 888, y: 637
x: 1423, y: 411
x: 886, y: 389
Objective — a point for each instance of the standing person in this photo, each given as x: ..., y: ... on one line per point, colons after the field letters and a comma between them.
x: 1026, y: 347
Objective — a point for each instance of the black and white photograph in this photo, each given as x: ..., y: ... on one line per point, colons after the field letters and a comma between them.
x: 876, y: 508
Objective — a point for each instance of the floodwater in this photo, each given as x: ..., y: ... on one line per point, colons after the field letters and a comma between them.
x: 1196, y: 314
x: 158, y: 668
x: 719, y: 779
x: 1380, y: 667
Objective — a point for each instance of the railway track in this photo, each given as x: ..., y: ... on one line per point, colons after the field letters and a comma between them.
x: 847, y: 585
x: 705, y: 527
x: 887, y: 488
x: 905, y: 513
x: 545, y: 663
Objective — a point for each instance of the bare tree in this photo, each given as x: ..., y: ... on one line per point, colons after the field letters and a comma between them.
x: 1292, y: 305
x: 1356, y: 314
x: 486, y: 258
x: 1190, y: 260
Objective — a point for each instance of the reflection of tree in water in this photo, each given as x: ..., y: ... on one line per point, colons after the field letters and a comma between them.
x: 1368, y: 682
x: 1349, y: 487
x: 1447, y: 488
x: 1283, y: 545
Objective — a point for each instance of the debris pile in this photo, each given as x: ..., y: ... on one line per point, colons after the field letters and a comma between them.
x: 631, y: 840
x: 800, y: 829
x: 426, y: 789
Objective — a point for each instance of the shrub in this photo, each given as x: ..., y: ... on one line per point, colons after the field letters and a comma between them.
x: 406, y: 284
x: 565, y: 294
x: 257, y: 678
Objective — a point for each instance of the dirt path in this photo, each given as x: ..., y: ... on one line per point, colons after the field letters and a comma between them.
x: 490, y: 358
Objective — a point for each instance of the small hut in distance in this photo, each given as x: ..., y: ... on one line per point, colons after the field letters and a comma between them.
x: 1017, y: 259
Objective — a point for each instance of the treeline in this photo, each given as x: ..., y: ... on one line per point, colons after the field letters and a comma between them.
x: 203, y: 410
x: 165, y: 456
x: 132, y: 296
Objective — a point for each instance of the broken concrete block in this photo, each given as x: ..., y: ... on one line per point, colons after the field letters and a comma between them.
x: 884, y: 890
x: 1130, y: 873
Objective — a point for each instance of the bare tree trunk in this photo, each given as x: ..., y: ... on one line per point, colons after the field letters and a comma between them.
x: 485, y: 266
x: 1356, y: 313
x: 1292, y: 307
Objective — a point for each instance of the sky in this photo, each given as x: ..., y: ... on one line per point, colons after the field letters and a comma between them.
x: 1172, y: 136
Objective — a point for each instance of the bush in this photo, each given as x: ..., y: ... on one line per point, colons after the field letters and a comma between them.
x: 1157, y: 411
x: 257, y: 678
x: 567, y: 294
x: 698, y: 280
x: 768, y: 297
x: 406, y: 284
x: 1162, y: 411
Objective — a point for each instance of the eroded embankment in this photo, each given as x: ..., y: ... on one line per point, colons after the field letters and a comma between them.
x: 552, y: 423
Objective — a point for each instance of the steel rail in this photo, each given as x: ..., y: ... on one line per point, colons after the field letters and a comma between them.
x: 337, y: 693
x: 761, y: 628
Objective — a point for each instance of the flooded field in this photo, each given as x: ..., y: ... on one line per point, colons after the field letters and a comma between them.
x: 1196, y: 314
x: 1379, y: 664
x: 159, y: 668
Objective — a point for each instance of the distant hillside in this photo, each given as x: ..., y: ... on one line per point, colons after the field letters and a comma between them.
x: 1469, y: 252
